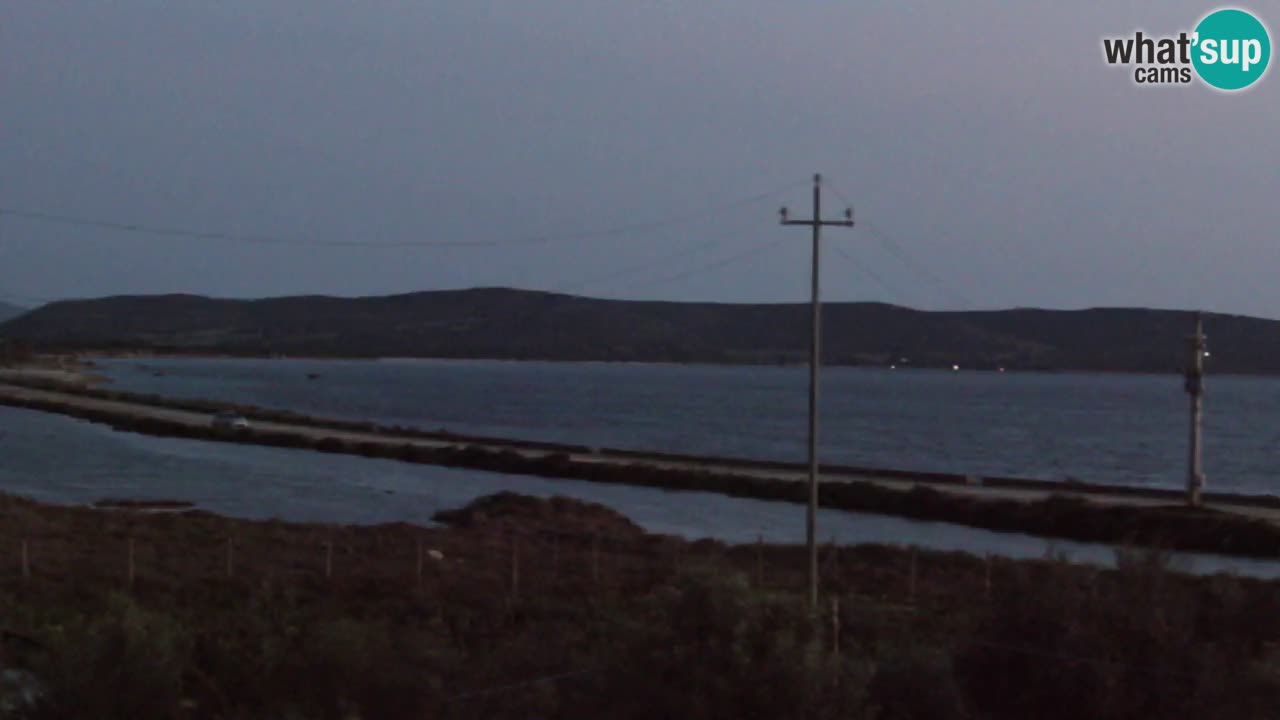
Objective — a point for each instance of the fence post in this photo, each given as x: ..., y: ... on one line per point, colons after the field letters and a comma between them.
x: 419, y: 566
x: 26, y: 561
x: 911, y: 580
x: 834, y: 559
x: 328, y: 559
x: 132, y: 569
x: 555, y: 559
x: 231, y: 568
x: 835, y: 628
x: 760, y: 561
x: 515, y: 567
x: 986, y: 580
x: 595, y: 559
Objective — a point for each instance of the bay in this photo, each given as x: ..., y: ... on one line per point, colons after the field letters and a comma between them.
x: 1103, y: 428
x: 57, y: 459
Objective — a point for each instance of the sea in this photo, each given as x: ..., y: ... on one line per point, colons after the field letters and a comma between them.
x: 1123, y: 429
x: 1103, y: 428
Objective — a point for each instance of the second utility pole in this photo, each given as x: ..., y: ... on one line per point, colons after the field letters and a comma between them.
x: 815, y: 360
x: 1195, y: 388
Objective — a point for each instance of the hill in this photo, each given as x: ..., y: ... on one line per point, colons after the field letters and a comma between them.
x: 10, y: 311
x: 517, y: 324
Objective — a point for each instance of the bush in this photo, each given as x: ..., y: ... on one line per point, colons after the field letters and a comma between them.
x: 711, y: 647
x: 916, y: 683
x: 127, y: 663
x: 1140, y: 642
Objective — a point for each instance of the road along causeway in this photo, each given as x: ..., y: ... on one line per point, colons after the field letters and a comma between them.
x: 1229, y: 524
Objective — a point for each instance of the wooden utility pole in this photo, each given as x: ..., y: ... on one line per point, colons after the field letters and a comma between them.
x: 815, y: 360
x: 1195, y: 388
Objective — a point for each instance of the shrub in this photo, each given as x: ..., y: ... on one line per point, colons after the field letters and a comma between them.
x: 127, y: 663
x: 1139, y: 642
x: 711, y: 647
x: 916, y: 683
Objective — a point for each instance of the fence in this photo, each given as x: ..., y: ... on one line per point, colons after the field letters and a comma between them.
x: 511, y: 560
x: 503, y: 565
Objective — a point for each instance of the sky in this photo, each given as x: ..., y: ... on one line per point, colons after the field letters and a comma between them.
x: 630, y: 150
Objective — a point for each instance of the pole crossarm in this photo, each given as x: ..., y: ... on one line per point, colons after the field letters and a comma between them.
x: 824, y: 223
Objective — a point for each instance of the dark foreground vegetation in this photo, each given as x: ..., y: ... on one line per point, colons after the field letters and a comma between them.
x: 528, y: 608
x: 518, y: 324
x: 1059, y: 516
x: 14, y: 353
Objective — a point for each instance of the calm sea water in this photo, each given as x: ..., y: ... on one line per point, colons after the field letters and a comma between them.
x: 62, y: 460
x: 1125, y: 429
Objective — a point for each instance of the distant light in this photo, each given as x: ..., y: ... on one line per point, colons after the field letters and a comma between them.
x: 893, y: 367
x: 955, y: 367
x: 1206, y: 353
x: 1001, y: 369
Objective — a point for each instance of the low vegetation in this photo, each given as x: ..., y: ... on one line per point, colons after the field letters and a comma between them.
x: 551, y: 608
x: 13, y: 354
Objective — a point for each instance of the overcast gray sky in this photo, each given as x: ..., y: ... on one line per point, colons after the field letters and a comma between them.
x: 987, y: 139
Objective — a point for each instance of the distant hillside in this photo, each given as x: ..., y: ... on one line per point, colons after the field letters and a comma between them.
x: 10, y: 311
x: 515, y: 324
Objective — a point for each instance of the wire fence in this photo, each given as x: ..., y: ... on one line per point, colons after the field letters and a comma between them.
x: 498, y: 563
x: 494, y: 559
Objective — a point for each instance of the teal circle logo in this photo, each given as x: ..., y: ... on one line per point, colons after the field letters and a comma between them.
x: 1232, y: 49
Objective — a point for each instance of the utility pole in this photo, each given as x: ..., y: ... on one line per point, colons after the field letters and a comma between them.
x: 1195, y: 388
x: 815, y: 360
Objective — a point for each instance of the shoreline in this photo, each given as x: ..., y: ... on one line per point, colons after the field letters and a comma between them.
x: 1249, y: 527
x: 91, y: 386
x: 89, y: 355
x: 68, y: 371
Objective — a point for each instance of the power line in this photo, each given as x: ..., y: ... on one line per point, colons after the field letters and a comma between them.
x: 869, y: 273
x: 713, y: 266
x: 613, y: 275
x: 641, y: 267
x: 902, y: 255
x: 26, y: 298
x: 145, y: 229
x: 898, y: 251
